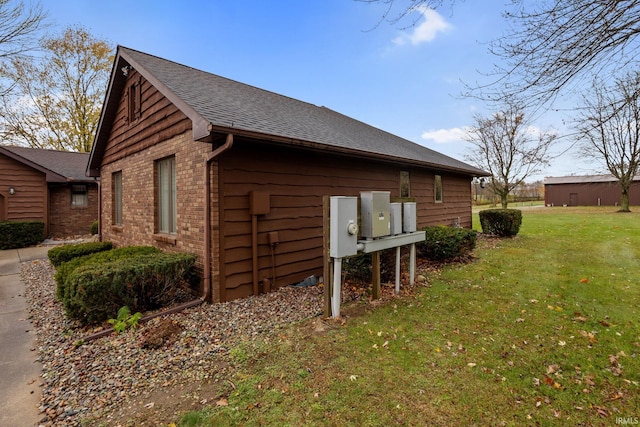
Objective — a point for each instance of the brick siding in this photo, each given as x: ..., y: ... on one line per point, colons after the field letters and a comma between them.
x: 139, y: 204
x: 66, y: 220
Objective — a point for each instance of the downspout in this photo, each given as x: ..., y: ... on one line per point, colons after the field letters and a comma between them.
x: 207, y: 248
x: 99, y: 210
x: 207, y: 214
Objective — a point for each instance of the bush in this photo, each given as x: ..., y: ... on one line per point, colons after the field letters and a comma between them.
x: 94, y: 228
x: 20, y: 234
x: 66, y: 253
x: 95, y: 292
x: 444, y: 243
x: 66, y: 268
x: 501, y: 222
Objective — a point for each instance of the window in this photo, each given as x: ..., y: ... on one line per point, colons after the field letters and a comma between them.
x: 405, y: 187
x: 166, y: 195
x: 79, y: 196
x: 438, y: 189
x: 116, y: 192
x: 135, y: 102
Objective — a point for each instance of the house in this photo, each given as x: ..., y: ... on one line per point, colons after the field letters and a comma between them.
x: 191, y: 161
x: 587, y: 190
x: 48, y: 186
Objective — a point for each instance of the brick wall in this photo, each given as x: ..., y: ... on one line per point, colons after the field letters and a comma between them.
x: 138, y: 204
x: 66, y: 220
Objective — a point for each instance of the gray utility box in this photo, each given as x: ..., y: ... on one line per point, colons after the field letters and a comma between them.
x: 396, y: 219
x: 343, y: 222
x: 409, y: 222
x: 375, y: 215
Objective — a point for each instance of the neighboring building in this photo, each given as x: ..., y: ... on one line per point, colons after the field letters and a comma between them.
x: 190, y: 161
x: 587, y: 190
x: 48, y: 186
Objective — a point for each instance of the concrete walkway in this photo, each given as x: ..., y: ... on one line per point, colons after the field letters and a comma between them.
x: 19, y: 370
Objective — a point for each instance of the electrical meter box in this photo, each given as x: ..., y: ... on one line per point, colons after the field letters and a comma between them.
x: 409, y: 217
x: 343, y: 223
x: 375, y: 215
x: 396, y: 219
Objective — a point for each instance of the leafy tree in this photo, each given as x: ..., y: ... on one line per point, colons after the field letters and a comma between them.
x: 511, y: 150
x: 56, y: 97
x: 610, y: 126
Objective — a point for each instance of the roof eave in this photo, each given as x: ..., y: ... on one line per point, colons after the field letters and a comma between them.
x: 50, y: 176
x: 345, y: 151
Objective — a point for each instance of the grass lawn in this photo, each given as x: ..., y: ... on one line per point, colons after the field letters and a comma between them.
x: 541, y: 329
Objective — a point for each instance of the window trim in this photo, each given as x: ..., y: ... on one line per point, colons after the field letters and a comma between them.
x: 166, y: 198
x: 135, y: 101
x: 116, y: 198
x: 438, y: 193
x: 405, y: 184
x: 79, y: 190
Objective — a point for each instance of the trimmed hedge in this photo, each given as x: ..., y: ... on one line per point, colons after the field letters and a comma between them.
x: 501, y: 222
x: 66, y: 253
x: 94, y: 228
x: 95, y: 292
x: 66, y: 268
x: 20, y: 234
x: 444, y: 243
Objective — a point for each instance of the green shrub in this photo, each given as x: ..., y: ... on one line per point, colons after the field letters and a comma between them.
x: 95, y: 292
x: 501, y: 222
x: 66, y: 253
x: 444, y: 243
x: 94, y: 228
x: 66, y: 268
x: 20, y: 234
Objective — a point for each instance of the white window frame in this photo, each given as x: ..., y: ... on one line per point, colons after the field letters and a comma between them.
x: 166, y: 200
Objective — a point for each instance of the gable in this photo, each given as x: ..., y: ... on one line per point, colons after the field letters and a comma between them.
x: 217, y: 106
x: 156, y: 119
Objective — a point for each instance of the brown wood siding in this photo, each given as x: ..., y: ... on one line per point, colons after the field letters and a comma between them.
x: 29, y: 203
x: 160, y: 120
x: 589, y: 194
x: 296, y: 182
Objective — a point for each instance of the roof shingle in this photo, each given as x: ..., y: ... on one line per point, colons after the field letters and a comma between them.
x: 68, y: 165
x: 225, y: 103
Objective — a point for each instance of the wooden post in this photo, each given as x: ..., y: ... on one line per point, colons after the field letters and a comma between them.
x: 375, y: 275
x: 327, y: 269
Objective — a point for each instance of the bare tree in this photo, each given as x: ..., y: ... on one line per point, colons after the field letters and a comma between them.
x: 56, y: 97
x: 510, y: 149
x: 19, y: 27
x: 610, y: 127
x: 549, y: 46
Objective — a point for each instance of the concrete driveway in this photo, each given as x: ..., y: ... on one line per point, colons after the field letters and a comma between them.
x: 19, y: 370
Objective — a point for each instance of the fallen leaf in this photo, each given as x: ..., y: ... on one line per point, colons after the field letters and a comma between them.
x: 353, y: 377
x: 605, y: 323
x: 222, y: 402
x: 471, y: 364
x: 584, y: 280
x: 149, y: 405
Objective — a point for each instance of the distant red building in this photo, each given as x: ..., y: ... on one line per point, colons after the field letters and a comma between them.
x: 588, y: 190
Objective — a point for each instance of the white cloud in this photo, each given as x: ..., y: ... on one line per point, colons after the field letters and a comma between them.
x: 427, y: 30
x: 445, y: 136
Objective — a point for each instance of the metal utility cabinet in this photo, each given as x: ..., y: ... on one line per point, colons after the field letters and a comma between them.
x: 375, y: 214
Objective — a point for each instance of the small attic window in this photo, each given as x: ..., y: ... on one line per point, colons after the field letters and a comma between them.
x: 135, y: 101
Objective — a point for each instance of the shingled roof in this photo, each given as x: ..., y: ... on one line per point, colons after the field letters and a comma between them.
x: 218, y: 104
x: 59, y: 166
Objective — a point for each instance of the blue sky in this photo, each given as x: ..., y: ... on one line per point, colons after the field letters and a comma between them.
x: 406, y: 81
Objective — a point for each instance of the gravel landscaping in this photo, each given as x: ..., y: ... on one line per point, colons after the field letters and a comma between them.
x: 99, y: 382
